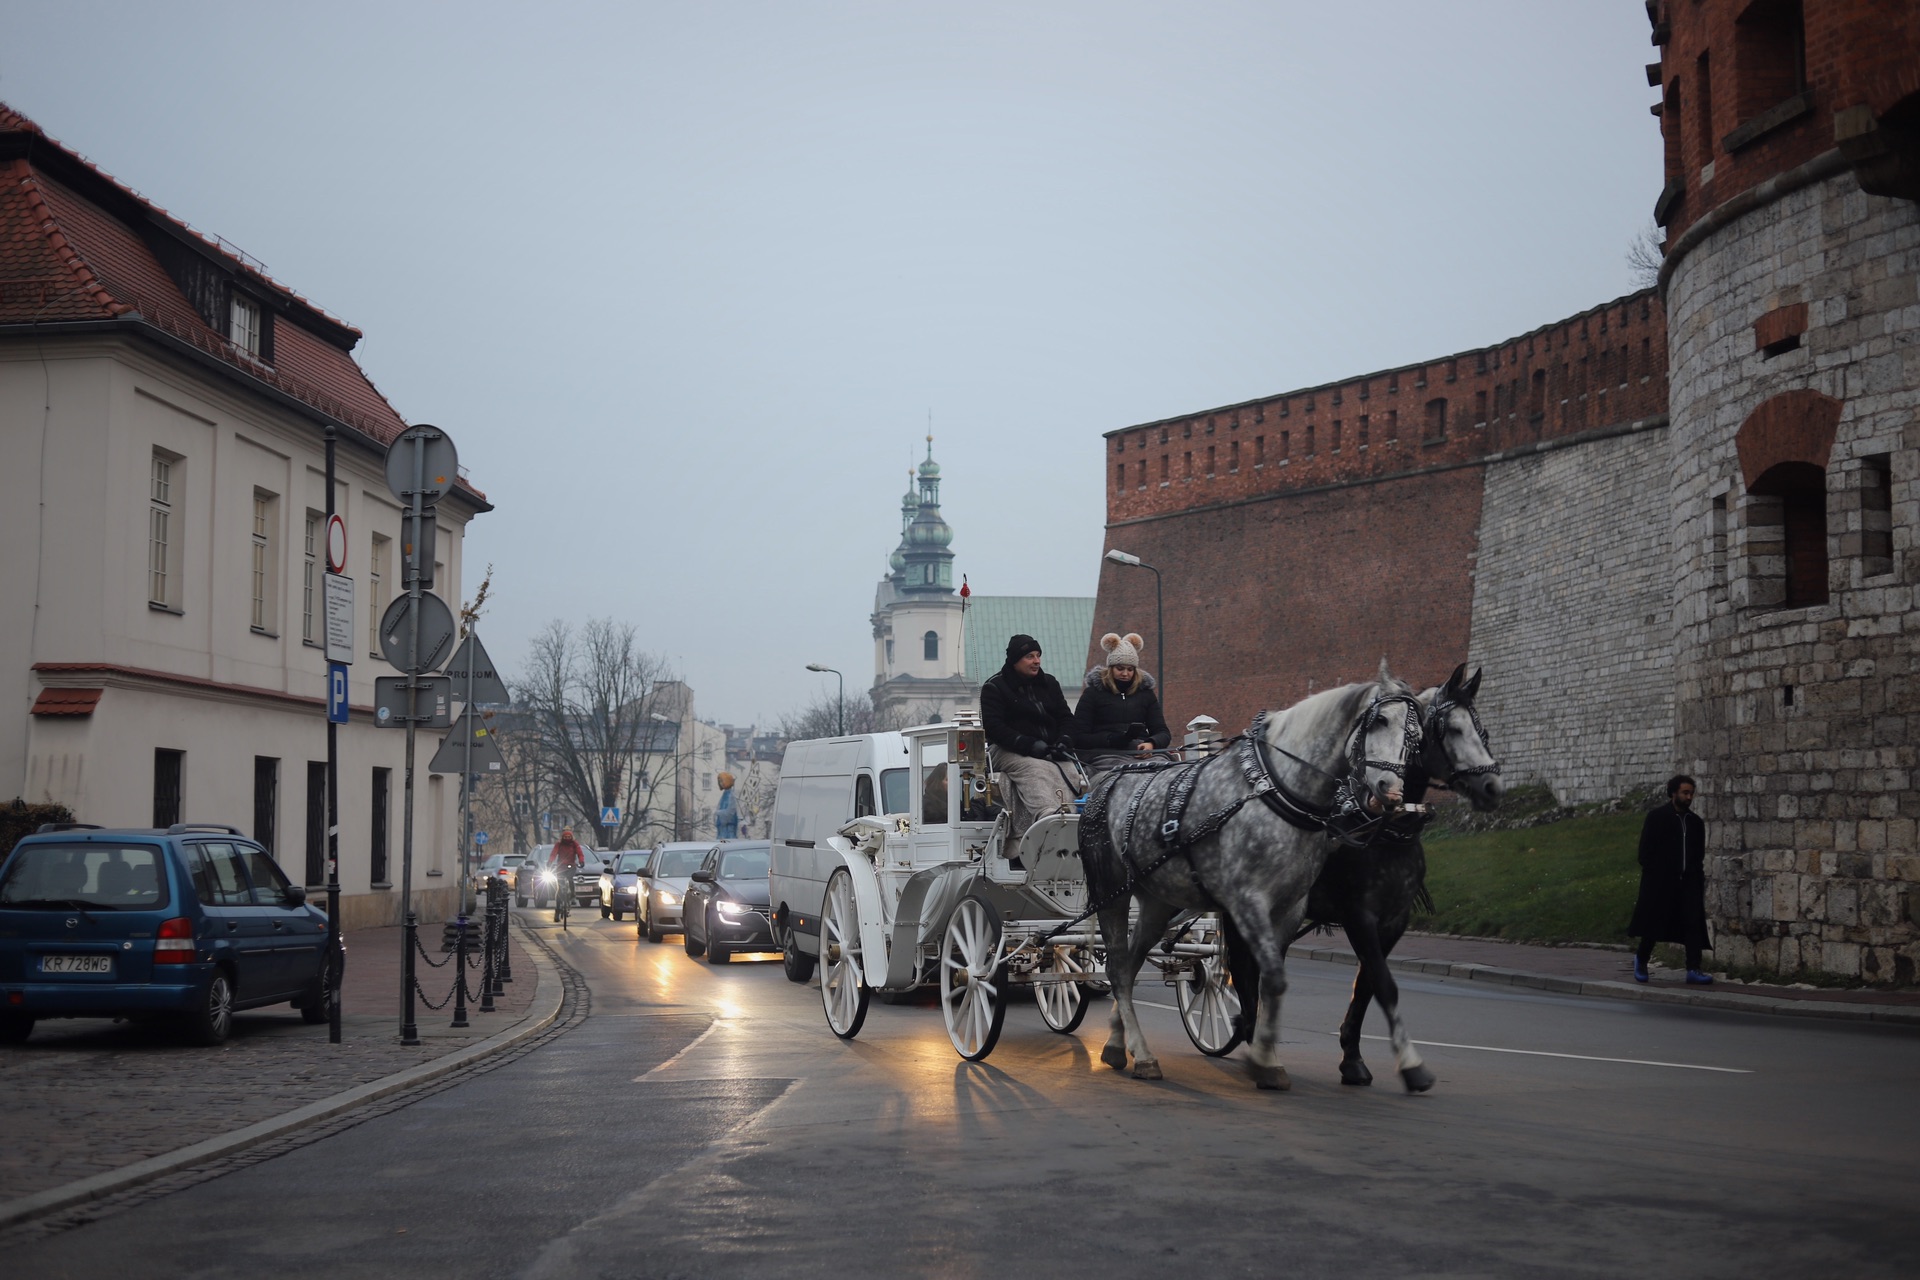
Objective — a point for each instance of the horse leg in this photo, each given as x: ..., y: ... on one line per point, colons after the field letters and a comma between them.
x: 1364, y: 933
x: 1352, y: 1069
x: 1269, y: 951
x: 1147, y: 933
x: 1113, y: 931
x: 1245, y: 972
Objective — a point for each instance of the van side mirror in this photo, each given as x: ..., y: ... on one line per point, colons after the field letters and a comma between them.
x: 703, y: 875
x: 295, y: 895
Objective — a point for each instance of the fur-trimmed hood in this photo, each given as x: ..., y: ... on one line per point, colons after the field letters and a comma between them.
x: 1142, y: 680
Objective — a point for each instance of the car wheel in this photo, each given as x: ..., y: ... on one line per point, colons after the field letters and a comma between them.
x: 15, y: 1028
x: 519, y: 900
x: 653, y: 934
x: 618, y: 915
x: 212, y: 1022
x: 316, y: 1006
x: 694, y: 949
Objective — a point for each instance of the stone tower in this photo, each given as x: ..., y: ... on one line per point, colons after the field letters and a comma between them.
x: 1792, y: 166
x: 919, y: 669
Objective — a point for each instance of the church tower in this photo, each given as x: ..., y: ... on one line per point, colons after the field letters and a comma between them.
x: 919, y: 670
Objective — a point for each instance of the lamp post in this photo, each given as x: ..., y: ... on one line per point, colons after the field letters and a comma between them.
x: 1159, y: 618
x: 814, y: 666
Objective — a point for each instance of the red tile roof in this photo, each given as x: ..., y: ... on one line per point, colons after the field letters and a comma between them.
x: 67, y: 702
x: 75, y: 246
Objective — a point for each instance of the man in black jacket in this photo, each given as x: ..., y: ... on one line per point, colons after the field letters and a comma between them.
x: 1672, y: 905
x: 1027, y: 722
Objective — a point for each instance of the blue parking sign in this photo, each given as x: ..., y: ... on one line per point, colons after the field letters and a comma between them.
x: 337, y: 692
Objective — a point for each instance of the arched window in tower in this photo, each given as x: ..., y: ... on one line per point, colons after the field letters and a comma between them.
x: 930, y: 643
x: 1787, y: 536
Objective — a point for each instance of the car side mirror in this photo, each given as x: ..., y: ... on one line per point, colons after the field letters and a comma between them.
x: 703, y: 875
x: 295, y: 895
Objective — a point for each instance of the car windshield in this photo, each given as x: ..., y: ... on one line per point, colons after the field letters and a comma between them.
x: 743, y: 864
x: 631, y: 862
x: 679, y: 862
x: 893, y: 791
x: 95, y: 876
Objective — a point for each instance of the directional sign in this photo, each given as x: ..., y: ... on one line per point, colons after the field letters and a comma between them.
x: 336, y: 544
x: 439, y: 464
x: 487, y: 685
x: 610, y: 816
x: 433, y: 702
x: 338, y: 595
x: 336, y: 693
x: 452, y: 755
x: 436, y: 632
x: 480, y: 837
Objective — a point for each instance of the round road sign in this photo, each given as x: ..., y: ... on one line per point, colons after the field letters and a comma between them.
x: 336, y: 544
x: 436, y: 633
x: 432, y: 450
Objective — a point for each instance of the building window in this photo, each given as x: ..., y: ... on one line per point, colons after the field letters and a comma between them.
x: 1479, y: 408
x: 244, y: 326
x: 1163, y: 468
x: 382, y: 823
x: 1703, y: 114
x: 1143, y: 473
x: 1436, y: 419
x: 310, y: 579
x: 1333, y: 437
x: 930, y: 646
x: 168, y: 768
x: 1260, y: 449
x: 1365, y: 427
x: 1769, y: 56
x: 1393, y: 425
x: 376, y: 591
x: 1186, y: 468
x: 316, y: 822
x: 1233, y: 457
x: 1537, y: 398
x: 266, y: 799
x: 163, y: 550
x: 1210, y: 468
x: 1876, y: 515
x: 1120, y: 475
x: 262, y: 616
x: 1787, y: 537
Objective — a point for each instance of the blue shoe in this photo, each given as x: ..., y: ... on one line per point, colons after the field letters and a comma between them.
x: 1698, y: 979
x: 1639, y: 969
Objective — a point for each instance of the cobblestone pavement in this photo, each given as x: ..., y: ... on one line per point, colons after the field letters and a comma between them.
x: 87, y: 1096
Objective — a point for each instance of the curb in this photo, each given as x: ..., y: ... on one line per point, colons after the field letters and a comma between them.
x: 542, y: 1015
x: 1727, y: 1001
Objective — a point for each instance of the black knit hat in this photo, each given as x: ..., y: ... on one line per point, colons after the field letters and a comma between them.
x: 1020, y: 646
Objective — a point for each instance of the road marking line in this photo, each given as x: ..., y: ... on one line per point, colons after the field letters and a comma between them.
x: 711, y: 1028
x: 1530, y: 1053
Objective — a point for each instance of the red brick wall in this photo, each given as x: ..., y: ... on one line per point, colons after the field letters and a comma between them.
x: 1856, y: 53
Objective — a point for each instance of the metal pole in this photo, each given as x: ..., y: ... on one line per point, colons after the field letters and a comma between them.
x: 460, y: 973
x: 843, y: 703
x: 409, y: 1033
x: 1160, y: 634
x: 333, y: 812
x: 466, y: 791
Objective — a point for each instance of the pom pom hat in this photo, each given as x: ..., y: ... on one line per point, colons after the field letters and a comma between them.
x: 1122, y: 651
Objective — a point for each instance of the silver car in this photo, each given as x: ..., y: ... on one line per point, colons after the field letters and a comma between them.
x: 620, y: 884
x: 664, y: 882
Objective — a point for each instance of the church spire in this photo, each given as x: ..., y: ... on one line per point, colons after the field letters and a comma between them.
x: 928, y: 561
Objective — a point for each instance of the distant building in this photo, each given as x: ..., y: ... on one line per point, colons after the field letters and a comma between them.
x: 163, y: 411
x: 932, y: 647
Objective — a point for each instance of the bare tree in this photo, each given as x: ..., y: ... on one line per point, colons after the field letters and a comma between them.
x: 1645, y: 254
x: 821, y: 718
x: 605, y: 719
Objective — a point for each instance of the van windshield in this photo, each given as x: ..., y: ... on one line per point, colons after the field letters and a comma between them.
x: 893, y: 791
x: 98, y: 877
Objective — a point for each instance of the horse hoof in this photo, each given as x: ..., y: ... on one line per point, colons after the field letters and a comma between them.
x: 1355, y: 1073
x: 1417, y: 1079
x: 1269, y: 1077
x: 1115, y: 1057
x: 1146, y: 1069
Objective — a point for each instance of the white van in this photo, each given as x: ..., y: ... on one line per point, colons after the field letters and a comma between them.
x: 825, y: 783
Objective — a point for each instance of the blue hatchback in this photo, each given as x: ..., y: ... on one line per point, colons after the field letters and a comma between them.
x: 194, y: 922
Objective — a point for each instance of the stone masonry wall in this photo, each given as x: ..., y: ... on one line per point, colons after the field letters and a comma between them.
x: 1803, y: 723
x: 1572, y: 615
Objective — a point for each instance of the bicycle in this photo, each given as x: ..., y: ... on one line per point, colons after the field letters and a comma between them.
x: 562, y: 895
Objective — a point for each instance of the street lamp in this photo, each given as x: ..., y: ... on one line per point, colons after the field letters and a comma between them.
x: 1159, y: 618
x: 814, y: 666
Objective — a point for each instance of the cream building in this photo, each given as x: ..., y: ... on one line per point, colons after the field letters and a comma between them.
x: 163, y: 409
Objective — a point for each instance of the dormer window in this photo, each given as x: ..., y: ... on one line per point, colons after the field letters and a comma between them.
x: 246, y: 326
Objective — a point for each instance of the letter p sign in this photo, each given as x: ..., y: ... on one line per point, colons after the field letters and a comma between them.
x: 336, y: 693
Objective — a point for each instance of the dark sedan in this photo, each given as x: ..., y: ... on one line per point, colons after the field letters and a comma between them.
x: 727, y: 902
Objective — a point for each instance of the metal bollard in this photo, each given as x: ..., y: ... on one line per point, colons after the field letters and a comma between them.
x: 409, y: 940
x: 487, y: 958
x: 460, y: 974
x: 506, y: 951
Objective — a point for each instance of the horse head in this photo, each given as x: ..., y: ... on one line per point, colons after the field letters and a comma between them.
x: 1385, y: 741
x: 1453, y: 743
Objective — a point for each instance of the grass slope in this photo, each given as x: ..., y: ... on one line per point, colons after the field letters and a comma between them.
x: 1568, y: 881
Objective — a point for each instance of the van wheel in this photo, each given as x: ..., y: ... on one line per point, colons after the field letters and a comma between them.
x: 797, y: 964
x: 15, y: 1028
x: 212, y: 1022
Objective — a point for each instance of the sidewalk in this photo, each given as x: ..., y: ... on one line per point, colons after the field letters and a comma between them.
x: 1596, y: 971
x: 87, y: 1098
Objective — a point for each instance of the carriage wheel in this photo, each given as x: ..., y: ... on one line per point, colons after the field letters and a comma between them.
x: 1209, y: 1007
x: 973, y: 979
x: 1063, y: 1004
x: 841, y: 989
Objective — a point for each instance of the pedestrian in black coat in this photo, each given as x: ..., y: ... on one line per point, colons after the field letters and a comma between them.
x: 1119, y: 711
x: 1672, y: 906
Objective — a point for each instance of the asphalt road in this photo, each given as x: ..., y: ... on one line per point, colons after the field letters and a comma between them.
x: 704, y: 1122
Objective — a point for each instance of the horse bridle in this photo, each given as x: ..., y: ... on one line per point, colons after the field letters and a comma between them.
x: 1435, y: 727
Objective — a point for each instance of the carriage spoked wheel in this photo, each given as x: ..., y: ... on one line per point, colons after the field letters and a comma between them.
x: 973, y: 979
x: 1209, y: 1007
x: 1063, y: 1004
x: 841, y: 989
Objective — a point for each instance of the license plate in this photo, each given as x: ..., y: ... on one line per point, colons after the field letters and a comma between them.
x: 76, y: 964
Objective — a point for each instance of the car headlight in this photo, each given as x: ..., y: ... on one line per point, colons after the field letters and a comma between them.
x: 731, y: 910
x: 667, y: 899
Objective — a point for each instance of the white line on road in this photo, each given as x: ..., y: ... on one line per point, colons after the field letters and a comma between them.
x: 1530, y: 1053
x: 711, y: 1028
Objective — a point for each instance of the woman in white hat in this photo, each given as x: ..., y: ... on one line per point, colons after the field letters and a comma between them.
x: 1119, y: 713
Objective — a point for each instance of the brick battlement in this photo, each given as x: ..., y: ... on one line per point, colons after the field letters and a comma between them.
x: 1602, y: 367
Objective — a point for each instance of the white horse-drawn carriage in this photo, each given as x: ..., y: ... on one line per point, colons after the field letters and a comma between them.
x: 936, y: 898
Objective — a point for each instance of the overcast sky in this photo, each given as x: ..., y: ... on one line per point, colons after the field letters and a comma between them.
x: 684, y: 281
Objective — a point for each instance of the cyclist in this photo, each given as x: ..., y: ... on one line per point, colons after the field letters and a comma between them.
x: 567, y: 858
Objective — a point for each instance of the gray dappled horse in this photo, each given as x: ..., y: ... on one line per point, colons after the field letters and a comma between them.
x: 1371, y: 890
x: 1241, y: 832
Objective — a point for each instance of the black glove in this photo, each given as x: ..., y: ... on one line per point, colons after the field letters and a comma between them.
x: 1036, y: 747
x: 1063, y: 750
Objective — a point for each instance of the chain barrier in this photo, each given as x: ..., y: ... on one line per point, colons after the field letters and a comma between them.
x: 488, y: 960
